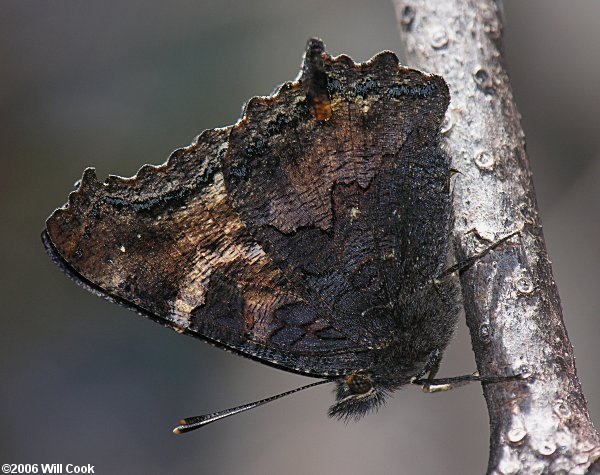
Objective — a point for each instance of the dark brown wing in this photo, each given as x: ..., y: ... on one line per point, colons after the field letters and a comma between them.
x: 339, y: 178
x: 290, y: 238
x: 168, y: 244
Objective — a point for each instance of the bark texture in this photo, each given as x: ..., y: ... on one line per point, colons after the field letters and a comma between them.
x: 541, y: 424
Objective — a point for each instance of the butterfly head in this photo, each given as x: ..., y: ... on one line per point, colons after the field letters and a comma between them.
x: 357, y: 395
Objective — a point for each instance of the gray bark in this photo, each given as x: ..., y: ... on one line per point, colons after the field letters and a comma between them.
x: 540, y: 424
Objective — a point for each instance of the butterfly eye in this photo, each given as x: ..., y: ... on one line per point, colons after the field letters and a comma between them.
x: 358, y: 384
x: 356, y: 395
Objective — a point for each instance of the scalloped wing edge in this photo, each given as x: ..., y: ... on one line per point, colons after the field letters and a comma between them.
x: 90, y: 178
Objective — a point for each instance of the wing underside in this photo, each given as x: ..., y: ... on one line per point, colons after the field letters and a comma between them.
x: 291, y: 237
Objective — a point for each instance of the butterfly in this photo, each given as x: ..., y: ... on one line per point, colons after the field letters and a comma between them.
x: 311, y: 236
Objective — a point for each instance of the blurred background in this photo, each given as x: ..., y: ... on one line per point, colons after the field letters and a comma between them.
x: 115, y: 85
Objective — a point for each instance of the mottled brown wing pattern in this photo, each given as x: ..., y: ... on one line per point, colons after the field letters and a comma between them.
x: 340, y: 202
x: 292, y: 237
x: 168, y: 242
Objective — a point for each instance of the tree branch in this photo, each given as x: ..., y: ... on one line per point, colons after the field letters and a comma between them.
x: 540, y: 424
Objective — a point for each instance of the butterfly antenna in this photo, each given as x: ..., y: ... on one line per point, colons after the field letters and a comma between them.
x: 192, y: 423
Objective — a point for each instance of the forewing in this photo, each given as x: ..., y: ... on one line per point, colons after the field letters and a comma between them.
x: 339, y: 177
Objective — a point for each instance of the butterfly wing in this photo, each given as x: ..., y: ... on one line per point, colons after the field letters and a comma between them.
x: 342, y: 191
x: 167, y: 244
x: 289, y: 238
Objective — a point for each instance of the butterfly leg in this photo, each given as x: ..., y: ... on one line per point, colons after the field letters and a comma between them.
x: 431, y: 367
x: 469, y: 261
x: 430, y: 384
